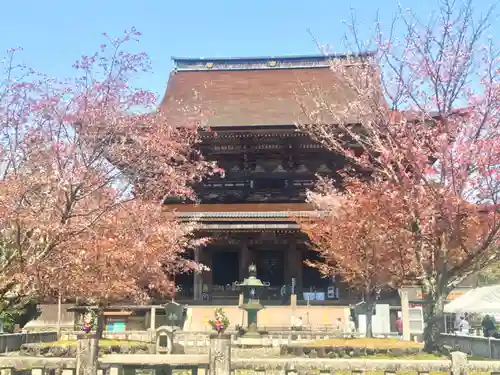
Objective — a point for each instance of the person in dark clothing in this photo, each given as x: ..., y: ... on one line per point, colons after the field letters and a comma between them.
x: 489, y: 326
x: 354, y: 316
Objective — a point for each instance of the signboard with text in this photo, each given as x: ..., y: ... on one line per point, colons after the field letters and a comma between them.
x: 415, y: 294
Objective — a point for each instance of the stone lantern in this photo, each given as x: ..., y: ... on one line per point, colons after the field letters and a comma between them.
x: 252, y: 289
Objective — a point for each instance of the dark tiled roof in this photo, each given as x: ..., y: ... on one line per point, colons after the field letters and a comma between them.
x: 246, y: 215
x: 248, y: 94
x: 250, y: 227
x: 262, y: 62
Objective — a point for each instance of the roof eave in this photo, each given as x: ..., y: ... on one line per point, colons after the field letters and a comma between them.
x: 264, y: 63
x: 276, y: 58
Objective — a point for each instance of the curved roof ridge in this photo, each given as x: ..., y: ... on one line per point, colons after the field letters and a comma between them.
x: 265, y: 62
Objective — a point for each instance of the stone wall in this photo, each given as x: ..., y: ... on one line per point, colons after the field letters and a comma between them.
x: 314, y: 317
x: 128, y: 335
x: 458, y: 365
x: 11, y: 342
x: 476, y: 346
x: 276, y: 317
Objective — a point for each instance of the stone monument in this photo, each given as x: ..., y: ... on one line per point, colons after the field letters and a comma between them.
x: 252, y: 289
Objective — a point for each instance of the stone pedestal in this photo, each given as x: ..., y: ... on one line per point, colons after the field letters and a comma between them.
x: 220, y: 354
x: 459, y: 365
x: 252, y: 310
x: 87, y: 353
x: 164, y: 340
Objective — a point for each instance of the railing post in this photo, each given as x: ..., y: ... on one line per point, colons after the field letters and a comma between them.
x: 220, y: 354
x: 459, y: 364
x: 87, y: 354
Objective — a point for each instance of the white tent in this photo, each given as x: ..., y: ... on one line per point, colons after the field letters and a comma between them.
x: 479, y: 300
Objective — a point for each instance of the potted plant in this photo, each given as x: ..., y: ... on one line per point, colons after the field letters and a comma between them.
x: 220, y: 322
x: 89, y: 321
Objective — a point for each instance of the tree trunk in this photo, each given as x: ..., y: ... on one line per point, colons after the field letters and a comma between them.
x: 369, y: 320
x: 433, y: 317
x: 99, y: 331
x: 370, y: 308
x: 59, y: 315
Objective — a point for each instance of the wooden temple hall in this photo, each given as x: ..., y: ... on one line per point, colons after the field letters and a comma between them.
x: 251, y: 106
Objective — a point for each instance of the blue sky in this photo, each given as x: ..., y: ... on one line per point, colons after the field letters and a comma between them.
x: 54, y: 33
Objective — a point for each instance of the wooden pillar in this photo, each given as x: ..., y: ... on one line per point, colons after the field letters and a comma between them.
x: 288, y: 267
x: 207, y: 276
x: 294, y: 263
x: 197, y: 277
x: 244, y: 260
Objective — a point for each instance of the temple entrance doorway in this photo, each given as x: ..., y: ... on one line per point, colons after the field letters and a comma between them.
x: 225, y: 268
x: 270, y: 267
x: 312, y: 278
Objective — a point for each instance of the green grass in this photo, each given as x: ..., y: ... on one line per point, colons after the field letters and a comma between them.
x: 365, y: 343
x: 418, y: 357
x: 103, y: 343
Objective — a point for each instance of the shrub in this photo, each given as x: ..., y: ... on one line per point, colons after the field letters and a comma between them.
x: 220, y: 322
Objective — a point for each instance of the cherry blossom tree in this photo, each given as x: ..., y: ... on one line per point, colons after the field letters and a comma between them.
x: 490, y: 275
x: 131, y: 255
x: 427, y: 105
x: 361, y: 240
x: 86, y: 164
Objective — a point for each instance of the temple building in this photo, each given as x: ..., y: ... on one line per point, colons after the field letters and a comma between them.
x: 251, y: 106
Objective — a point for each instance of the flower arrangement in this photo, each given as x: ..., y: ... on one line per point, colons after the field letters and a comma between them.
x: 221, y: 322
x: 89, y: 320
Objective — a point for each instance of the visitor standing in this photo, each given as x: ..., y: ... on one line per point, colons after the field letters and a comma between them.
x: 340, y: 325
x: 297, y: 326
x: 464, y: 326
x: 489, y: 326
x: 399, y: 325
x: 283, y: 294
x: 352, y: 325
